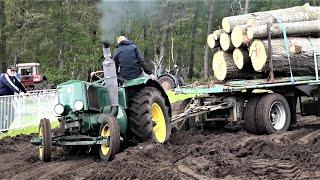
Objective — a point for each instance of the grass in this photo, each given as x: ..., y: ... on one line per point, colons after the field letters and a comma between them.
x: 27, y: 130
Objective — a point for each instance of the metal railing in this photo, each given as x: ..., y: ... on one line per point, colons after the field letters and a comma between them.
x: 19, y: 111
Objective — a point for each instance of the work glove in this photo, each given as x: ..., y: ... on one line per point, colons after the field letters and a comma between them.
x: 153, y: 77
x: 106, y: 44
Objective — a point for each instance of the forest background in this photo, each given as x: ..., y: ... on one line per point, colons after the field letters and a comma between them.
x: 65, y: 36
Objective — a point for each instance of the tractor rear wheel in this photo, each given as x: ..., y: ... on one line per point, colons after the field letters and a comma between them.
x: 149, y: 116
x: 40, y: 86
x: 45, y: 134
x: 167, y: 82
x: 110, y: 130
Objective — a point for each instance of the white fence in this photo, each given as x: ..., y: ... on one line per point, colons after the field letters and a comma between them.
x: 20, y: 111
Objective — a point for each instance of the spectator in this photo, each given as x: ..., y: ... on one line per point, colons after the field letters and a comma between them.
x: 9, y: 84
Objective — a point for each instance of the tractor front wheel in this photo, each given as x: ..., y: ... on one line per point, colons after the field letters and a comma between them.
x: 110, y: 130
x: 45, y: 134
x: 149, y: 116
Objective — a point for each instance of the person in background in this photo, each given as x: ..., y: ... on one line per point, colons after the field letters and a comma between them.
x: 9, y: 84
x: 130, y: 59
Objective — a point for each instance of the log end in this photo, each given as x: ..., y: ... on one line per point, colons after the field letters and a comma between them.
x: 219, y: 66
x: 226, y: 25
x: 251, y: 22
x: 225, y: 42
x: 250, y: 33
x: 237, y: 36
x: 238, y: 58
x: 211, y: 41
x: 216, y: 34
x: 258, y: 55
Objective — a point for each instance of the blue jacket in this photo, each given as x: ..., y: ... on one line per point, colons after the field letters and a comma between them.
x: 9, y: 85
x: 131, y: 61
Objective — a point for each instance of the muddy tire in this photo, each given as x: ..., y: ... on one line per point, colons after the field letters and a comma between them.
x: 250, y: 115
x: 41, y: 86
x: 109, y: 129
x: 273, y: 114
x: 149, y: 116
x: 45, y: 134
x: 167, y: 82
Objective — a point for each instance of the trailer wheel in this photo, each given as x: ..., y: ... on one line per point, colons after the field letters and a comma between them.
x: 45, y: 134
x: 250, y: 115
x: 167, y: 82
x: 109, y: 129
x: 40, y: 86
x: 273, y: 113
x: 149, y: 116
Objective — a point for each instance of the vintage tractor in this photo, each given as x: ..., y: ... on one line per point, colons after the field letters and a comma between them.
x: 31, y: 77
x: 86, y: 121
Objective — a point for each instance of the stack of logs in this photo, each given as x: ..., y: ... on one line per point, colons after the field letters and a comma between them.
x: 244, y: 49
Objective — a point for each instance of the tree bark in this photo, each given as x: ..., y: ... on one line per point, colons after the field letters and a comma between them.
x: 192, y: 44
x: 301, y: 55
x: 294, y: 28
x: 165, y: 34
x: 2, y: 37
x: 294, y: 14
x: 60, y: 32
x: 206, y: 50
x: 224, y: 67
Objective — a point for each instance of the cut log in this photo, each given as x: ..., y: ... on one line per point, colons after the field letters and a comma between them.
x: 239, y: 36
x: 294, y: 14
x: 301, y: 55
x: 211, y: 41
x: 224, y: 67
x: 225, y: 42
x: 241, y: 58
x: 217, y: 33
x: 295, y: 28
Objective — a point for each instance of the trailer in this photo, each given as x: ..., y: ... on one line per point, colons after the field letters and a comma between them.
x: 265, y: 106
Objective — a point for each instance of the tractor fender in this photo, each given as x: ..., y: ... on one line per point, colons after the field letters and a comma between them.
x: 174, y: 77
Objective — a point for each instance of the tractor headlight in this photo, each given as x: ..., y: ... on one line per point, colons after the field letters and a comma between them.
x: 78, y: 105
x: 59, y: 109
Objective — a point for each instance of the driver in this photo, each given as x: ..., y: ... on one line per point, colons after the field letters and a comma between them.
x: 130, y: 59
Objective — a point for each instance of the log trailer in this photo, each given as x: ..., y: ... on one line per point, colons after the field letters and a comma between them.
x: 265, y: 107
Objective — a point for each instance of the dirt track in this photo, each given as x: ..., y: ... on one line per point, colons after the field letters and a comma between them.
x: 193, y: 154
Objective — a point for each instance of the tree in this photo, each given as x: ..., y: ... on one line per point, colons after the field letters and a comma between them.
x: 209, y: 29
x: 2, y: 37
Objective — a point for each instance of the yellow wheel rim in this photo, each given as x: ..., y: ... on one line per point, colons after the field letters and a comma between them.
x: 106, y: 133
x: 158, y: 119
x: 40, y: 147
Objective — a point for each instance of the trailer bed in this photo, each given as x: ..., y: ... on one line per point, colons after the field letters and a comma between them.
x: 244, y: 85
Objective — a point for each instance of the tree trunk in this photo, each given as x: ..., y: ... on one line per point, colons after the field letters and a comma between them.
x: 301, y: 55
x: 239, y: 36
x: 2, y: 37
x: 206, y: 51
x: 224, y: 67
x: 246, y: 6
x: 192, y: 44
x: 294, y: 14
x: 60, y: 34
x: 294, y: 28
x: 165, y: 34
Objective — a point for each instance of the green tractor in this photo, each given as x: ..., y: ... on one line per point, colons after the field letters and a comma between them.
x: 86, y: 121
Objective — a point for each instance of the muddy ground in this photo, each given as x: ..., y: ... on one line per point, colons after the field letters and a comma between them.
x: 193, y: 154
